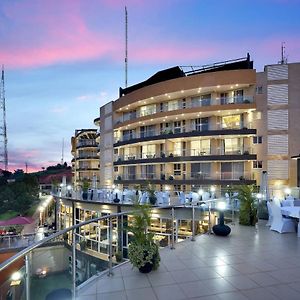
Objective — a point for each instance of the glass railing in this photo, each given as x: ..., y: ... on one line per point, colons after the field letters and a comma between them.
x: 82, y: 143
x: 62, y: 266
x: 196, y: 102
x: 185, y: 129
x: 185, y: 153
x: 180, y: 175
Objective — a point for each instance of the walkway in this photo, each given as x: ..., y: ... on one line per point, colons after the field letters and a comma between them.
x: 248, y: 264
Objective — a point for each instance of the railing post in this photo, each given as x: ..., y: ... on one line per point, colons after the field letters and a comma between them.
x: 74, y: 263
x: 173, y: 231
x: 209, y: 218
x: 110, y: 272
x: 193, y: 223
x: 27, y: 276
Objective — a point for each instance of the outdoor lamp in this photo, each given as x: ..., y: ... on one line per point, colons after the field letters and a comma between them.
x: 69, y: 187
x: 16, y: 276
x: 259, y: 196
x: 200, y: 192
x: 287, y: 191
x: 221, y: 229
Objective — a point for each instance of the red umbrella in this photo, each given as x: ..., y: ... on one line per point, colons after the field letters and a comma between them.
x: 17, y: 221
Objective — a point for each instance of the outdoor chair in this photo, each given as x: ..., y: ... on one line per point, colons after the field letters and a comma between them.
x: 287, y: 203
x: 280, y: 223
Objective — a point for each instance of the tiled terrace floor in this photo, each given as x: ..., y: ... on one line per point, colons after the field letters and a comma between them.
x: 248, y: 264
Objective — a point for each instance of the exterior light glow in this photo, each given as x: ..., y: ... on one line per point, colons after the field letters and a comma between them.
x: 113, y: 186
x: 69, y: 187
x: 221, y: 205
x: 212, y: 189
x: 287, y: 191
x: 200, y: 192
x: 16, y: 276
x: 259, y: 196
x: 218, y: 86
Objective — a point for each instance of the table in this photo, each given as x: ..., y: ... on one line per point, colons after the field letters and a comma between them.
x: 291, y: 211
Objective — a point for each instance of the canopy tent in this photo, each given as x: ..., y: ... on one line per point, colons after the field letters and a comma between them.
x: 17, y: 221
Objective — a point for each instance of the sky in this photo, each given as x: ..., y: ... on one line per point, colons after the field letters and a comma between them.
x: 65, y: 58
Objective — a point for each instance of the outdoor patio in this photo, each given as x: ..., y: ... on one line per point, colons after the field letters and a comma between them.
x: 248, y: 264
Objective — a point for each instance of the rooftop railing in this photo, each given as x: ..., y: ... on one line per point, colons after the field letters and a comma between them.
x: 72, y: 257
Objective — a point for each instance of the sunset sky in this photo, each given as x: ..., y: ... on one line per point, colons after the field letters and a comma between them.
x: 65, y: 58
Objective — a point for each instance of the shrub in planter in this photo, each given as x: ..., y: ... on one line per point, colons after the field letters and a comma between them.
x: 119, y: 256
x: 162, y: 176
x: 85, y: 187
x: 151, y: 194
x: 246, y: 152
x: 119, y: 177
x: 171, y: 177
x: 142, y: 251
x: 248, y: 205
x: 83, y: 244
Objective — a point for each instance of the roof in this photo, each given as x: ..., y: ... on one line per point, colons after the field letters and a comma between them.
x: 179, y: 71
x: 17, y: 221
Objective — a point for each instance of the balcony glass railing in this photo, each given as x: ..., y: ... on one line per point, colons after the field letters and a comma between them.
x: 184, y: 153
x: 82, y: 143
x: 179, y: 175
x: 197, y: 102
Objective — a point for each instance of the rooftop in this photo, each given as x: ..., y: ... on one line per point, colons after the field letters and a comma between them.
x: 251, y: 263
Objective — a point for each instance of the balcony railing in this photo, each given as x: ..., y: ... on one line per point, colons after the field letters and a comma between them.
x: 83, y: 143
x: 136, y: 134
x: 196, y: 102
x: 186, y: 176
x: 185, y: 153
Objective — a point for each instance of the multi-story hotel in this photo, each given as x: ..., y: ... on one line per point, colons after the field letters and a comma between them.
x: 85, y: 163
x: 218, y: 125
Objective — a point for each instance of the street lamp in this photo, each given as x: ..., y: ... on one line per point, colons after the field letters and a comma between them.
x: 200, y: 192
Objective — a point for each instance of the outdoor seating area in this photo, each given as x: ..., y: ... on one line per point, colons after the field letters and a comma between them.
x: 251, y: 263
x: 284, y: 215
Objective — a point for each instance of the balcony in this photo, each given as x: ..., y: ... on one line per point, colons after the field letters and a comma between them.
x: 215, y: 154
x: 86, y: 143
x: 186, y: 131
x: 196, y: 102
x: 218, y: 178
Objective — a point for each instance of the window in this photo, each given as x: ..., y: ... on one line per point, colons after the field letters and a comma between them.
x: 232, y: 122
x: 177, y: 169
x: 203, y: 100
x: 128, y: 134
x: 183, y: 103
x: 173, y: 105
x: 178, y: 149
x: 148, y: 151
x: 147, y: 131
x: 232, y: 171
x: 258, y: 115
x: 201, y: 124
x: 233, y: 146
x: 257, y: 164
x: 224, y: 98
x: 257, y: 140
x: 116, y: 169
x: 177, y: 187
x: 200, y: 147
x: 259, y: 90
x: 148, y: 110
x: 238, y: 96
x: 200, y: 170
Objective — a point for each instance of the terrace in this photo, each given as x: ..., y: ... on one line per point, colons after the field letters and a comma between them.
x: 251, y: 263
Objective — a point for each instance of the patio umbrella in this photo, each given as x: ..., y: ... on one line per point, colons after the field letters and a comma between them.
x: 17, y: 221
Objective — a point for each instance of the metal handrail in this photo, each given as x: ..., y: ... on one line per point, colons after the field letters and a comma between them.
x: 25, y: 251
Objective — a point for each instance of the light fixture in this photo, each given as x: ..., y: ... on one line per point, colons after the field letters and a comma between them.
x: 287, y: 191
x: 16, y: 276
x: 218, y: 86
x: 212, y: 189
x: 69, y: 187
x: 200, y: 192
x: 113, y: 186
x: 258, y: 196
x: 221, y: 205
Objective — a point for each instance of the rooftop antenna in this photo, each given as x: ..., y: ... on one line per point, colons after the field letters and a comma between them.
x: 26, y: 167
x: 3, y: 132
x: 283, y: 56
x: 62, y: 151
x: 126, y: 47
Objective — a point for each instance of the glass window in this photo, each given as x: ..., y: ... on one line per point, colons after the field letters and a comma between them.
x: 173, y: 105
x: 147, y: 131
x: 257, y: 164
x: 257, y: 140
x: 259, y: 90
x: 147, y: 110
x: 200, y: 147
x: 177, y: 169
x: 224, y: 97
x: 238, y: 96
x: 232, y: 170
x: 233, y: 146
x: 232, y: 122
x: 200, y: 170
x: 148, y: 151
x: 148, y: 171
x: 128, y: 134
x: 177, y: 148
x: 201, y: 124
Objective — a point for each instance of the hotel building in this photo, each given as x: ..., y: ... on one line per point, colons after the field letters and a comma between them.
x: 186, y: 128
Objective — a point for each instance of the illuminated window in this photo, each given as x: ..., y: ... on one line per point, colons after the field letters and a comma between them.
x: 232, y: 122
x: 257, y: 164
x: 200, y: 147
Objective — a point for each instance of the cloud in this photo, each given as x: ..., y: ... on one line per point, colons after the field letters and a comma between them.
x: 59, y: 109
x: 92, y: 97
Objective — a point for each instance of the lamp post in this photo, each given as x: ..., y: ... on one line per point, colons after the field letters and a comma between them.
x: 221, y: 229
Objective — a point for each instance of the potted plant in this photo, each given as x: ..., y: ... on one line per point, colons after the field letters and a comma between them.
x: 142, y: 251
x: 171, y: 155
x: 85, y: 188
x: 119, y: 256
x: 116, y: 199
x: 171, y: 177
x: 162, y: 155
x: 246, y: 152
x: 162, y: 177
x: 151, y: 194
x: 119, y: 177
x: 248, y: 205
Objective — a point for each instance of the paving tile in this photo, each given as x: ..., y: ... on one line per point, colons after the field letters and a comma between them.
x: 284, y: 292
x: 259, y: 294
x: 169, y: 292
x: 112, y: 296
x: 141, y: 294
x: 157, y: 279
x: 205, y: 273
x: 136, y: 282
x: 241, y: 282
x: 231, y: 296
x: 110, y: 285
x: 184, y: 276
x: 87, y: 297
x: 263, y: 279
x: 226, y: 270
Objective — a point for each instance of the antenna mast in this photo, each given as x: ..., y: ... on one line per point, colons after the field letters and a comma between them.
x: 126, y: 46
x: 62, y: 151
x: 3, y: 132
x: 283, y: 56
